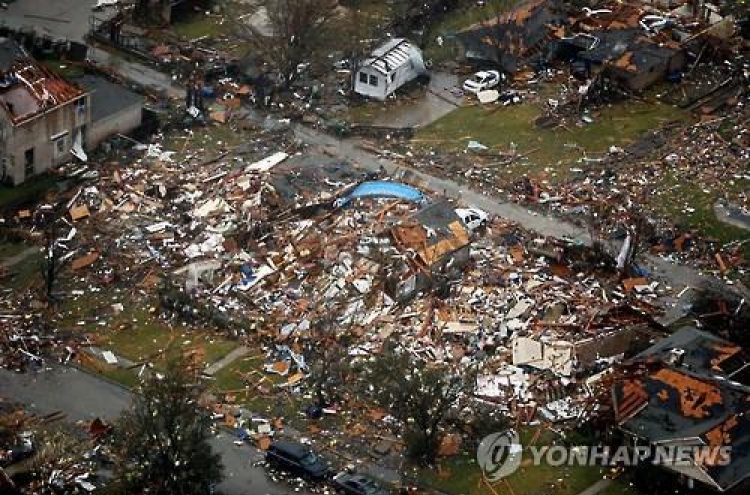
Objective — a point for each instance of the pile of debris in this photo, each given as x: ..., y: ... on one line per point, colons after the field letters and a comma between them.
x: 41, y: 454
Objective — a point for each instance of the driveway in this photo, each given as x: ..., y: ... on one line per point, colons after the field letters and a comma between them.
x: 439, y: 101
x: 83, y: 397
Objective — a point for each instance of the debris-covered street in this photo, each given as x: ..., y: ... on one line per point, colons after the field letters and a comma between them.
x: 265, y: 247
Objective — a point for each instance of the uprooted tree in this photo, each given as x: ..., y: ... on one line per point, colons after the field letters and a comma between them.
x: 162, y: 442
x: 633, y: 225
x: 297, y: 28
x: 419, y: 395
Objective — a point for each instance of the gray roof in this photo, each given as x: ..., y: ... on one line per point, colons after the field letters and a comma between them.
x: 393, y: 54
x: 107, y: 98
x: 664, y: 401
x: 10, y: 51
x: 704, y: 353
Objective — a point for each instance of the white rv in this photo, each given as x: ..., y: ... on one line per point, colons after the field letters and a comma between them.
x: 391, y: 66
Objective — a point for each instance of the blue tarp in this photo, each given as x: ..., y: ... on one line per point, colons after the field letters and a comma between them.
x: 384, y: 189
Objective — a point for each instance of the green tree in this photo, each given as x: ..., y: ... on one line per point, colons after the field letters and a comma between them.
x: 162, y: 441
x: 418, y: 394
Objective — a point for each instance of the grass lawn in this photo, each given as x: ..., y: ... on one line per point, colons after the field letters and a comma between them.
x: 10, y: 249
x: 65, y: 69
x: 199, y: 25
x: 138, y: 334
x: 126, y: 377
x: 472, y: 15
x: 146, y: 338
x: 456, y: 22
x: 29, y: 191
x: 232, y: 376
x: 691, y: 204
x: 24, y: 274
x: 462, y: 476
x: 254, y: 389
x: 497, y: 127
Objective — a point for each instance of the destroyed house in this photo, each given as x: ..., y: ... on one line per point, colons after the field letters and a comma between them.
x: 42, y: 116
x: 682, y: 392
x: 391, y: 66
x: 435, y: 244
x: 512, y: 39
x: 630, y: 57
x: 565, y: 351
x: 619, y: 42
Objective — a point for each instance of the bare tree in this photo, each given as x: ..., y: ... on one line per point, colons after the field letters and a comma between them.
x: 46, y: 220
x: 297, y: 30
x: 414, y: 17
x: 357, y: 34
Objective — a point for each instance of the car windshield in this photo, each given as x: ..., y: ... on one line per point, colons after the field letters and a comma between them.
x: 309, y: 459
x: 477, y: 78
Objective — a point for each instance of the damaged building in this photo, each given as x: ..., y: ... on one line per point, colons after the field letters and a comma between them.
x: 624, y: 43
x: 114, y: 109
x: 566, y: 351
x: 166, y: 11
x: 43, y: 116
x: 391, y: 66
x: 690, y: 390
x: 46, y: 120
x: 635, y: 45
x: 511, y: 39
x: 435, y: 243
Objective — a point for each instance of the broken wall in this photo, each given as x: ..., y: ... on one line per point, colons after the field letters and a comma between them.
x: 61, y: 123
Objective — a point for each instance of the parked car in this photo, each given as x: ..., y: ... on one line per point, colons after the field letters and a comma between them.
x: 298, y: 459
x: 486, y: 79
x: 357, y: 484
x: 473, y: 218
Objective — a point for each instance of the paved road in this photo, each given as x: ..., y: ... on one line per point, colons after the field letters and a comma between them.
x: 673, y: 275
x: 59, y: 19
x: 82, y: 396
x: 140, y: 74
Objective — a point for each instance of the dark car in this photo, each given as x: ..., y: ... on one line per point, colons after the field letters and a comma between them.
x: 297, y: 459
x: 357, y: 484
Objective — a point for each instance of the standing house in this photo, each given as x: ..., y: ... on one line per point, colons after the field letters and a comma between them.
x: 114, y: 109
x: 42, y: 116
x: 391, y: 66
x: 45, y: 119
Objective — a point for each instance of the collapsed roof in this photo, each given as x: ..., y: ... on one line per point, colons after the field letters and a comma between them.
x: 512, y: 37
x: 27, y: 88
x: 680, y: 391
